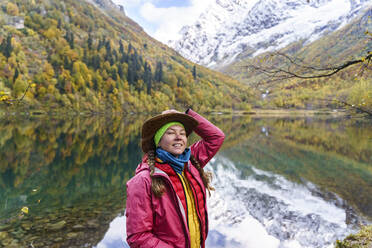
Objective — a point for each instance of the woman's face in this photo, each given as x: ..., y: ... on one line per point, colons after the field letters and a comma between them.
x: 174, y: 140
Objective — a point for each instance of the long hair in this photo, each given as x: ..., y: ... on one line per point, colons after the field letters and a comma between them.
x: 157, y: 184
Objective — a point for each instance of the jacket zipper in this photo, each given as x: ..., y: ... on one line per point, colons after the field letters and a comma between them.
x: 198, y: 210
x: 184, y: 191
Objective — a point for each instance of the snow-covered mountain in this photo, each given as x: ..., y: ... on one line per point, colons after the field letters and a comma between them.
x: 229, y: 28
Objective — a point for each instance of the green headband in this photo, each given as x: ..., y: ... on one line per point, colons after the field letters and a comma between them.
x: 162, y: 130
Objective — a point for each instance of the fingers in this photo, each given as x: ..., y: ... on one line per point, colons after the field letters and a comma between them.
x: 170, y: 111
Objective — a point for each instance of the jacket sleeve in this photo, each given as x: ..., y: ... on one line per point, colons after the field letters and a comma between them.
x: 212, y: 139
x: 139, y: 215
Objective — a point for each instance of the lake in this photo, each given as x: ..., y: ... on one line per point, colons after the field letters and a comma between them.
x: 283, y: 182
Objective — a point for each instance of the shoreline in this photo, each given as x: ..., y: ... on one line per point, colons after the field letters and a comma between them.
x: 285, y: 112
x: 254, y: 113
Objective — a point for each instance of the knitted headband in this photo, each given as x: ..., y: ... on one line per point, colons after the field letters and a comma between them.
x: 162, y: 130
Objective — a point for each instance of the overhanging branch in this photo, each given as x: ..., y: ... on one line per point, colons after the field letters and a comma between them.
x: 301, y: 70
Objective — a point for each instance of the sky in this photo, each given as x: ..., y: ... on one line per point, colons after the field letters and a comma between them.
x: 162, y: 19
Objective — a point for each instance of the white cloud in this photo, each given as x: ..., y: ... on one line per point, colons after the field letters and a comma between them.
x: 129, y: 2
x: 164, y: 23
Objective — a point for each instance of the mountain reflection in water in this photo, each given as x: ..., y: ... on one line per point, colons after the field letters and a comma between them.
x: 280, y: 182
x: 266, y: 210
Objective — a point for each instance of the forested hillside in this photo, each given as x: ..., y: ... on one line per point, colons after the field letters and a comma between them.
x: 72, y: 55
x: 351, y: 86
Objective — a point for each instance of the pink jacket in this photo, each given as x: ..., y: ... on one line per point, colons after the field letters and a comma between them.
x: 154, y: 222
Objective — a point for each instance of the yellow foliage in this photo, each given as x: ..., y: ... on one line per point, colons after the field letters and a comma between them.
x: 172, y: 80
x: 4, y: 98
x: 30, y: 32
x: 52, y: 33
x: 48, y: 70
x: 361, y: 93
x: 126, y: 85
x: 106, y: 66
x: 71, y: 54
x: 65, y: 100
x: 24, y: 210
x: 66, y: 74
x: 19, y: 87
x: 40, y: 41
x: 42, y: 91
x: 12, y: 9
x: 29, y: 95
x: 51, y: 89
x: 79, y: 81
x: 104, y: 75
x: 183, y: 96
x: 209, y: 84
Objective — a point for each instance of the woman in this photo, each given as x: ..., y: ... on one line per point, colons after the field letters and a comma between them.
x: 166, y: 199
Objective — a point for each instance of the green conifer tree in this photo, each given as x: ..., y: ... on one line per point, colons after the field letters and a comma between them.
x: 120, y: 70
x: 121, y: 48
x: 114, y: 73
x: 159, y: 72
x: 6, y: 47
x: 194, y: 72
x: 130, y: 73
x: 130, y: 47
x: 16, y: 74
x: 90, y: 41
x: 147, y: 77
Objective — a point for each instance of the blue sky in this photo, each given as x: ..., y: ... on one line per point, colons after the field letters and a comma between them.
x: 162, y: 19
x: 171, y: 3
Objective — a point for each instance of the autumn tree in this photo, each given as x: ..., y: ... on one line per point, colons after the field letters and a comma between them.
x: 158, y: 72
x: 12, y: 9
x: 194, y: 72
x: 6, y: 47
x: 121, y: 48
x: 287, y: 67
x: 90, y: 41
x: 147, y: 77
x: 69, y: 37
x: 16, y: 74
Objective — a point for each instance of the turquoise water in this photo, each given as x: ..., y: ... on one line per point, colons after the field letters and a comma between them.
x: 69, y: 178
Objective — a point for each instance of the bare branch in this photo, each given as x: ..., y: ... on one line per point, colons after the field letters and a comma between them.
x: 348, y: 104
x: 29, y: 86
x: 301, y: 70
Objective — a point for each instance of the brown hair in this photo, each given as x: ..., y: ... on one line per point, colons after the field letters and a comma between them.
x: 157, y: 184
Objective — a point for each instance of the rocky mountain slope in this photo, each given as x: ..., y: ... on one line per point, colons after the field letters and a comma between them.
x: 89, y: 56
x: 229, y: 28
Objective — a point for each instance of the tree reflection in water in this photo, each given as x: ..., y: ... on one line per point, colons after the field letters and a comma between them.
x: 71, y: 173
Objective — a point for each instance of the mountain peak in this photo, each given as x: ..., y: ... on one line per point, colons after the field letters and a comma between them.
x: 230, y: 28
x: 107, y: 5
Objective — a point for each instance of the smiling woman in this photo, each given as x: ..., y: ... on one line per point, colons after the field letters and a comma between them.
x: 173, y: 139
x: 166, y: 199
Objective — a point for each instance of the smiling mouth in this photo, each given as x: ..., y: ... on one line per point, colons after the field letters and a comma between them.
x: 177, y: 145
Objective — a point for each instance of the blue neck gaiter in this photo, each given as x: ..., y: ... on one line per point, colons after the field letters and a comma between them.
x: 176, y: 163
